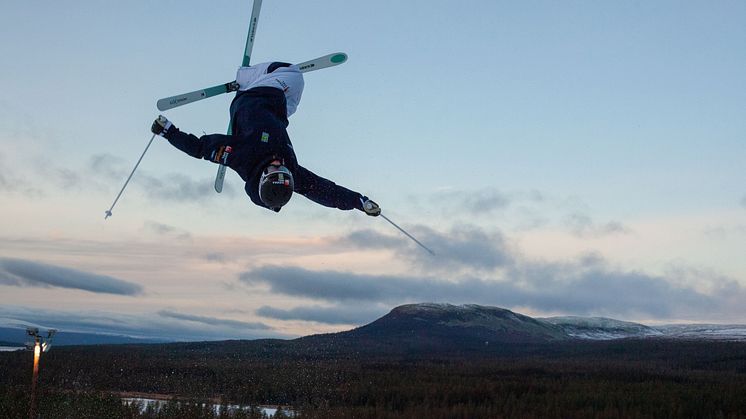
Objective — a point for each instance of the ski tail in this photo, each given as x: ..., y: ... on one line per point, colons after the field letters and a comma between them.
x: 197, y: 95
x: 326, y: 61
x: 220, y: 176
x: 252, y: 32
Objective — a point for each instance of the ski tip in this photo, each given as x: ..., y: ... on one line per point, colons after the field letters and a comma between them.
x: 338, y: 58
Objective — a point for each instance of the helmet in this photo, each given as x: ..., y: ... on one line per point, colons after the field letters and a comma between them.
x: 275, y: 186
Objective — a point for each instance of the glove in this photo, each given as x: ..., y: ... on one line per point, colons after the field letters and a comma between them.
x: 161, y: 125
x: 370, y: 207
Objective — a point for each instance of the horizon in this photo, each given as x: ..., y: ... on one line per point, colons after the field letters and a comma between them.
x: 579, y: 159
x: 145, y: 339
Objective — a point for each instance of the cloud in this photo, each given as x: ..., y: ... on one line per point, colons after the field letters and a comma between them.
x: 217, y: 257
x: 344, y: 287
x: 485, y: 201
x: 582, y: 225
x: 463, y: 247
x: 109, y: 166
x: 11, y: 182
x: 474, y: 202
x: 743, y: 201
x: 724, y: 232
x: 66, y: 178
x: 327, y: 285
x: 5, y: 184
x: 177, y: 187
x: 166, y: 230
x: 352, y: 314
x: 213, y: 321
x: 17, y: 272
x: 590, y: 286
x: 372, y: 239
x: 586, y: 286
x: 174, y: 187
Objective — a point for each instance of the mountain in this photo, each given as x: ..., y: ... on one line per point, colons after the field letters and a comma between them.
x: 447, y: 327
x: 437, y: 328
x: 459, y: 323
x: 601, y: 328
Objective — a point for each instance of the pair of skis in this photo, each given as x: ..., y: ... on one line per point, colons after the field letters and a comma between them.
x: 311, y: 65
x: 171, y: 102
x: 326, y: 61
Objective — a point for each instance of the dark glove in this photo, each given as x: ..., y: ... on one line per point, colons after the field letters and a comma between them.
x: 161, y: 125
x: 370, y: 207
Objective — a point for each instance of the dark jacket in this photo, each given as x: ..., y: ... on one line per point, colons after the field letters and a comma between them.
x: 259, y: 135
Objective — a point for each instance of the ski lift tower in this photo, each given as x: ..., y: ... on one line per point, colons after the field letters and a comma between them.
x: 38, y: 345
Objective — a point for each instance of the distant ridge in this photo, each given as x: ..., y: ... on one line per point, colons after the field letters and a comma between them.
x: 439, y: 327
x: 17, y: 337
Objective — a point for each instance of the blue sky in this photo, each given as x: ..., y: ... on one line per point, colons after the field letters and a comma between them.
x: 561, y: 158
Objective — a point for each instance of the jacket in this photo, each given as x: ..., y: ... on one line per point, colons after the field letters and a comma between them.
x: 258, y: 136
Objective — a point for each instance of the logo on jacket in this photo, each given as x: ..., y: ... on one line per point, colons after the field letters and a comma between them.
x: 265, y: 137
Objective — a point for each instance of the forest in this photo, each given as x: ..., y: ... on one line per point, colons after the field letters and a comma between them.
x: 651, y: 378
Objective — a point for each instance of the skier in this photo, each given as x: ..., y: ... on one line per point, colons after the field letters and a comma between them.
x: 259, y: 148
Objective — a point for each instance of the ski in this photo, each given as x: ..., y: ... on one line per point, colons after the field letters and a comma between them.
x: 329, y: 60
x: 191, y: 97
x: 220, y: 176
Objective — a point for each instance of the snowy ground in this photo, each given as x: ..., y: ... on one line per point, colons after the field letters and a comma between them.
x: 269, y: 411
x: 10, y: 349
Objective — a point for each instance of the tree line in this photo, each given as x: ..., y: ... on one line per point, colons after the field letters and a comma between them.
x: 620, y: 379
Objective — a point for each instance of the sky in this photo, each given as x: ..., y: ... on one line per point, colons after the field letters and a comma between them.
x: 561, y: 158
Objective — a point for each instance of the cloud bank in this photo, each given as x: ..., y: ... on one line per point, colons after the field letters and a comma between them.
x: 336, y: 315
x: 582, y: 225
x: 575, y: 288
x: 212, y: 321
x: 463, y: 247
x: 476, y: 266
x: 24, y: 273
x: 174, y: 187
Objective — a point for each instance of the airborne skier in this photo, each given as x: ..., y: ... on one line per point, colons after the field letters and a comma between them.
x: 259, y: 148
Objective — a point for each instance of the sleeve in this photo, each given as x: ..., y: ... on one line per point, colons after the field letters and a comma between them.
x: 207, y: 147
x: 324, y: 191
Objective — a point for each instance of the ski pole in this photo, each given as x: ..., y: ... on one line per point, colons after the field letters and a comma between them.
x: 108, y: 213
x: 408, y: 235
